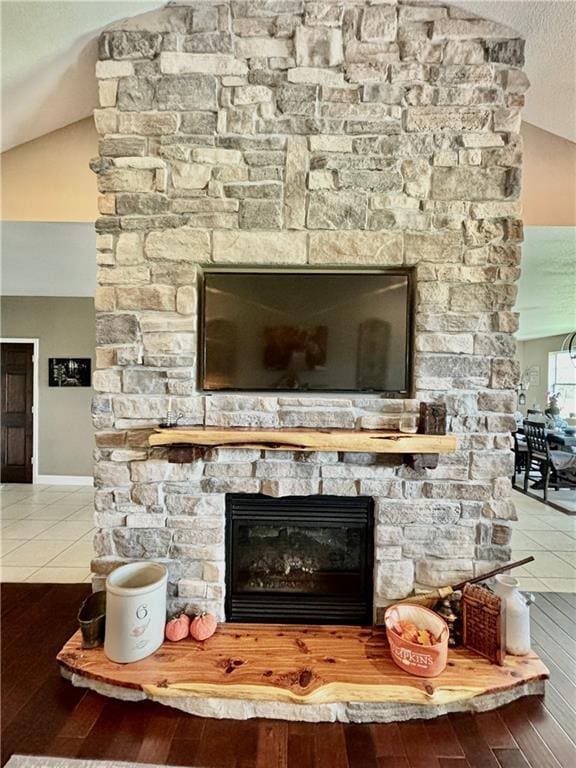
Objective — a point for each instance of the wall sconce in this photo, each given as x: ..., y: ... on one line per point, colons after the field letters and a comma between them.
x: 531, y: 375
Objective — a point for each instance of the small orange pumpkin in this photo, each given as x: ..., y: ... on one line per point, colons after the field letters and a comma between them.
x: 203, y: 626
x: 177, y: 628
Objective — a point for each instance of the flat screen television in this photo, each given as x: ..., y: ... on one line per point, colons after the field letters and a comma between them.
x: 264, y: 331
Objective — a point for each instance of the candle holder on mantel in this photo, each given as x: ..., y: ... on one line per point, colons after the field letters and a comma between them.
x: 172, y: 418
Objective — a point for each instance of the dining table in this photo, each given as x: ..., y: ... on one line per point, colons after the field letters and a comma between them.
x: 556, y: 436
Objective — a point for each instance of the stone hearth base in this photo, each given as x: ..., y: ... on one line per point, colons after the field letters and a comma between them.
x: 312, y: 674
x: 342, y: 712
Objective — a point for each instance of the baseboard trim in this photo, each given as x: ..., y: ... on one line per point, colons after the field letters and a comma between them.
x: 64, y: 480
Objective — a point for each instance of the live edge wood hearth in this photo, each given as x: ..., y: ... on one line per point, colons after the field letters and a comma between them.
x: 301, y: 672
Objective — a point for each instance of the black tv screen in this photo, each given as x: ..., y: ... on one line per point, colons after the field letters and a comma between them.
x: 310, y: 332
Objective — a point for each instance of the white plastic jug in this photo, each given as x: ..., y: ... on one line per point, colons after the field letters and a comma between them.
x: 517, y: 606
x: 135, y: 611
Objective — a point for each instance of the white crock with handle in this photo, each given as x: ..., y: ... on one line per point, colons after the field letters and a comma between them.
x: 135, y: 611
x: 517, y: 615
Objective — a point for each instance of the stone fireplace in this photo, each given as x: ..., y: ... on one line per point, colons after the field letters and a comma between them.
x: 309, y: 135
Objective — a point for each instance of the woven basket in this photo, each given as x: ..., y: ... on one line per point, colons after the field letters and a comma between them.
x: 419, y: 660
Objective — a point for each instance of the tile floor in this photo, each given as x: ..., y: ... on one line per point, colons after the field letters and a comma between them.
x: 550, y: 536
x: 565, y: 497
x: 47, y: 531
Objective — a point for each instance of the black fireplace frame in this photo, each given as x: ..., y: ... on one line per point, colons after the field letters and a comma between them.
x: 301, y: 608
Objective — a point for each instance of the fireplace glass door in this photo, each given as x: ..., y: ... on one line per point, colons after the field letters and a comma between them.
x: 299, y: 559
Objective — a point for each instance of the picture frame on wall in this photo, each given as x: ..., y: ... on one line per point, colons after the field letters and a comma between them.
x: 69, y: 371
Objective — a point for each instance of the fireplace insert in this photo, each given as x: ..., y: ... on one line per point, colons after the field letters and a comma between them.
x: 299, y: 559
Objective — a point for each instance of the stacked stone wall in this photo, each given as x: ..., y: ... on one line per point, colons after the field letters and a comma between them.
x: 311, y: 134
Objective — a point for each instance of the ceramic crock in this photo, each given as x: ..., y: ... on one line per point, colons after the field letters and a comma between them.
x: 135, y: 611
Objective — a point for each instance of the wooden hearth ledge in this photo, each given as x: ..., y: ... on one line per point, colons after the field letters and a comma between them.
x: 301, y: 673
x: 357, y: 441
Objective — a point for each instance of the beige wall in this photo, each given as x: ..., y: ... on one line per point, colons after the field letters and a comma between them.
x: 48, y: 179
x: 549, y: 179
x: 535, y: 352
x: 65, y: 327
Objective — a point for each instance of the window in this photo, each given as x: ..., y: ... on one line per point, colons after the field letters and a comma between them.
x: 562, y: 381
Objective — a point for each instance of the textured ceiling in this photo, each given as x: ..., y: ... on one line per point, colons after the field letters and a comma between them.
x: 48, y: 60
x: 549, y: 28
x: 49, y: 51
x: 547, y: 286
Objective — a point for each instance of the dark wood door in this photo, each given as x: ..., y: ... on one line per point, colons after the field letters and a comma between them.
x: 17, y: 366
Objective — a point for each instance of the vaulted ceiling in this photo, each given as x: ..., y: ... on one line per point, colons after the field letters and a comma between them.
x: 49, y: 52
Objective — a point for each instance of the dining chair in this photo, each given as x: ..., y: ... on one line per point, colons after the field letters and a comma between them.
x: 538, y: 455
x: 564, y: 468
x: 520, y: 453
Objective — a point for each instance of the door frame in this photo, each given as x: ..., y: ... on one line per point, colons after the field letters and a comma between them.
x: 35, y: 398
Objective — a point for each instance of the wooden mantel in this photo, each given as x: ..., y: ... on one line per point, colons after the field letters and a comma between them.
x: 357, y: 441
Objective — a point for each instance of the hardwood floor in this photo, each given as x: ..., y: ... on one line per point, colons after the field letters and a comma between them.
x: 44, y: 715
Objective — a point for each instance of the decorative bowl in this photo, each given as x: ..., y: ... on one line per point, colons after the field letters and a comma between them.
x: 419, y: 660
